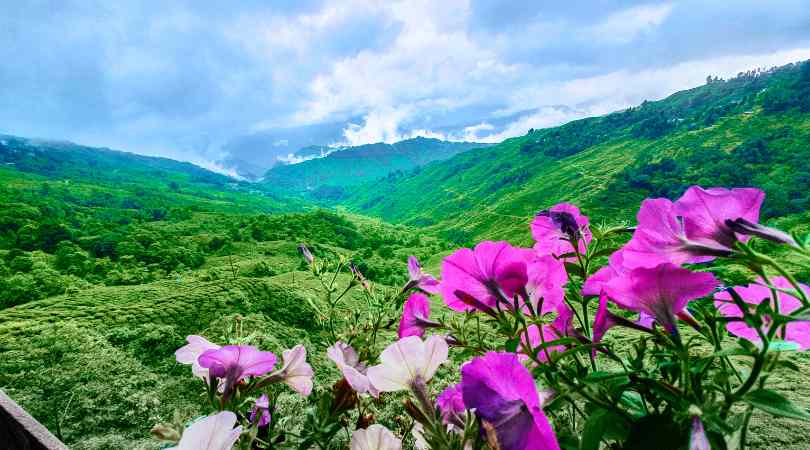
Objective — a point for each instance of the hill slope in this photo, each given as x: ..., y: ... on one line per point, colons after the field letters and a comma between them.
x: 327, y: 177
x: 750, y: 130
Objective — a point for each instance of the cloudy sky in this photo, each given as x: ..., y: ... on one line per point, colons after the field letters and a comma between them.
x: 245, y: 81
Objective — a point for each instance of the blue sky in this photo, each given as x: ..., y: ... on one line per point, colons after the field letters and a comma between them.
x: 244, y: 82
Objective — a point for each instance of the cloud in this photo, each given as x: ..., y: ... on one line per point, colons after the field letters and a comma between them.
x: 247, y: 84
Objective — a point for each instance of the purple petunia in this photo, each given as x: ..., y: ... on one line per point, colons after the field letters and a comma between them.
x: 662, y: 291
x: 693, y: 229
x: 451, y: 405
x: 503, y: 395
x: 415, y: 316
x: 420, y: 279
x: 556, y: 228
x: 754, y: 294
x: 235, y: 362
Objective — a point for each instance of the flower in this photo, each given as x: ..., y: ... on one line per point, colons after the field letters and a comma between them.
x: 189, y: 354
x: 662, y: 291
x: 353, y: 370
x: 415, y: 316
x: 261, y: 408
x: 234, y: 362
x: 215, y: 432
x: 482, y: 278
x: 420, y: 279
x: 451, y: 405
x: 605, y: 320
x: 693, y: 229
x: 615, y: 268
x: 375, y: 437
x: 697, y: 437
x: 408, y: 361
x: 744, y: 227
x: 754, y: 294
x: 556, y: 228
x: 546, y: 278
x: 295, y: 372
x: 535, y: 337
x: 503, y: 394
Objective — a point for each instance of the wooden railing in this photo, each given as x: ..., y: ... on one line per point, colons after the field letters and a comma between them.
x: 20, y: 431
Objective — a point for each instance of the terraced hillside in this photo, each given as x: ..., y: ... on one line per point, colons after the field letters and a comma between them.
x: 750, y: 130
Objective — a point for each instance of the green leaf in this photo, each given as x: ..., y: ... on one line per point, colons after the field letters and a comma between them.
x: 732, y: 351
x: 774, y: 403
x: 512, y: 345
x: 594, y: 429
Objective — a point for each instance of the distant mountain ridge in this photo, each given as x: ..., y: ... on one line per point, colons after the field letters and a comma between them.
x: 328, y: 177
x: 751, y: 130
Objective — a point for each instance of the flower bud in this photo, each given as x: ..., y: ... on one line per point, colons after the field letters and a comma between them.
x: 306, y: 254
x: 742, y: 226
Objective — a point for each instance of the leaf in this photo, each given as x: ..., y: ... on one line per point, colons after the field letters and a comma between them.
x: 774, y: 403
x: 732, y: 351
x: 572, y: 268
x: 594, y: 429
x: 512, y: 345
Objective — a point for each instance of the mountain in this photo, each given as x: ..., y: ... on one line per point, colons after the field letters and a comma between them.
x: 328, y: 177
x: 134, y: 181
x: 753, y: 129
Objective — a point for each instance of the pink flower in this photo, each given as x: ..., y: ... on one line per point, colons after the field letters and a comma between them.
x: 295, y: 372
x: 662, y: 291
x: 605, y: 320
x: 262, y: 409
x: 556, y: 228
x: 420, y: 279
x: 615, y: 268
x: 693, y: 229
x: 754, y: 294
x: 535, y: 337
x: 451, y: 405
x: 214, y: 432
x: 347, y: 361
x: 415, y: 316
x: 504, y: 396
x: 491, y: 273
x: 235, y: 362
x: 546, y: 281
x: 189, y: 354
x: 408, y: 362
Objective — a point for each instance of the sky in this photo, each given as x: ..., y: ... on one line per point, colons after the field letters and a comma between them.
x: 234, y: 86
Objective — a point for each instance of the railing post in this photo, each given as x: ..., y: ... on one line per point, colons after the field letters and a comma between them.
x: 20, y: 431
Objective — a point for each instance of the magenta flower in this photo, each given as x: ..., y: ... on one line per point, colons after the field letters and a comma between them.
x: 754, y: 294
x: 693, y: 229
x: 489, y: 274
x: 235, y: 362
x: 415, y: 316
x: 662, y: 291
x: 556, y: 228
x: 596, y: 282
x: 348, y: 362
x: 262, y: 409
x: 536, y: 336
x: 546, y: 281
x: 451, y: 405
x: 420, y: 279
x: 190, y: 353
x: 503, y: 394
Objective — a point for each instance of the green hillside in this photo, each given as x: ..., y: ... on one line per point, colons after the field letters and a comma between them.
x: 326, y: 178
x: 753, y: 129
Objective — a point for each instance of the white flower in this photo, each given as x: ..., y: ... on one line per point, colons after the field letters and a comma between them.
x: 375, y: 437
x: 188, y: 354
x: 349, y: 365
x: 407, y: 360
x: 211, y: 433
x: 295, y: 371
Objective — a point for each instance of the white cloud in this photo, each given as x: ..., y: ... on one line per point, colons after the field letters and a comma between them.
x: 624, y: 26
